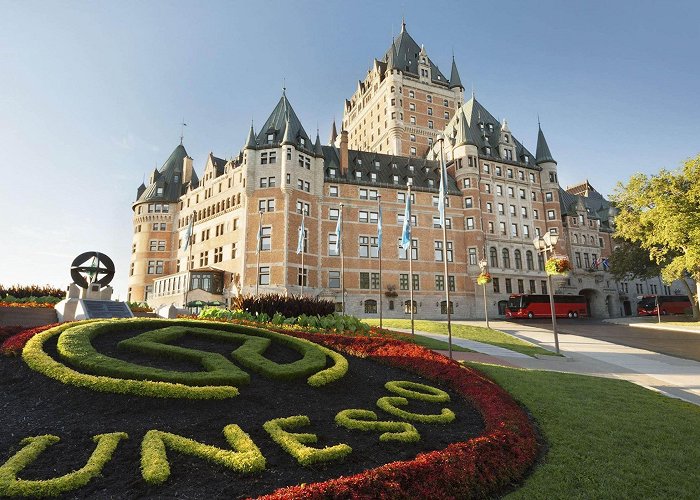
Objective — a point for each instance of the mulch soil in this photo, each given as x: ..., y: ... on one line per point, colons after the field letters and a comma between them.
x: 32, y: 404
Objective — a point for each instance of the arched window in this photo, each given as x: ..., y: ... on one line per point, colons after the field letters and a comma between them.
x: 576, y: 238
x: 506, y: 259
x: 518, y: 259
x: 370, y: 306
x: 494, y: 257
x: 540, y: 262
x: 529, y: 261
x: 443, y: 307
x: 407, y: 307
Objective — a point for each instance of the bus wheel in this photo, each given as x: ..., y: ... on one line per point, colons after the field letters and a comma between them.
x: 575, y: 314
x: 530, y: 315
x: 571, y: 315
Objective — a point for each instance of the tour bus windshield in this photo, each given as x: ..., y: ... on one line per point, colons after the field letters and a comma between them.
x: 647, y: 303
x: 515, y: 303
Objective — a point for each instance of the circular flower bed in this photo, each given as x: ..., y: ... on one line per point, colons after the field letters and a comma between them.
x: 478, y: 464
x: 558, y: 266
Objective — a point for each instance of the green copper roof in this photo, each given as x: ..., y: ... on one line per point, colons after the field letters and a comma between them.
x: 165, y: 184
x: 276, y: 126
x: 543, y: 154
x: 404, y: 54
x: 455, y: 81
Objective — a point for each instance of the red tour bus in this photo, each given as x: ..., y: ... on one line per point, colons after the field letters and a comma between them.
x: 537, y: 306
x: 670, y: 304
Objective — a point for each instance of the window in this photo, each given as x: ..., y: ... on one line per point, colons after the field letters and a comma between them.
x: 333, y: 191
x: 233, y: 250
x: 370, y: 306
x: 369, y: 247
x: 451, y: 283
x: 302, y: 275
x: 413, y: 151
x: 521, y: 192
x: 518, y: 259
x: 551, y: 215
x: 332, y: 239
x: 368, y: 280
x: 499, y: 190
x: 511, y: 192
x: 511, y: 208
x: 403, y: 281
x: 533, y: 196
x: 266, y: 205
x: 493, y: 254
x: 540, y: 262
x: 496, y: 285
x: 411, y: 106
x: 548, y: 197
x: 489, y: 207
x: 439, y: 282
x: 502, y: 227
x: 411, y: 94
x: 506, y: 259
x: 447, y: 115
x: 303, y: 208
x: 445, y: 103
x: 264, y: 276
x: 412, y: 120
x: 430, y: 111
x: 472, y: 256
x: 412, y: 137
x: 535, y: 214
x: 263, y: 158
x: 266, y: 238
x: 429, y: 98
x: 514, y: 229
x: 430, y: 124
x: 509, y: 285
x: 491, y: 229
x: 403, y: 254
x: 501, y: 209
x: 468, y: 202
x: 526, y: 231
x: 333, y: 279
x: 529, y: 261
x: 416, y: 282
x: 498, y: 171
x: 521, y: 286
x: 438, y: 251
x: 467, y: 183
x: 523, y: 212
x: 407, y: 307
x: 487, y: 168
x: 470, y: 222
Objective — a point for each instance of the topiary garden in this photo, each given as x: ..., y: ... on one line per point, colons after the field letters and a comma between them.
x: 236, y: 407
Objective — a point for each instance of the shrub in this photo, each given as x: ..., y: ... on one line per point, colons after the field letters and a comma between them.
x: 288, y: 306
x: 420, y: 392
x: 366, y: 420
x: 295, y: 443
x: 22, y: 292
x: 390, y: 405
x: 10, y: 485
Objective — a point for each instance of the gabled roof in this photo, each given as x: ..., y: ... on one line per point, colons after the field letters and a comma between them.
x: 543, y: 154
x: 403, y: 54
x: 365, y: 162
x: 276, y: 125
x: 166, y: 185
x: 476, y: 114
x: 595, y: 205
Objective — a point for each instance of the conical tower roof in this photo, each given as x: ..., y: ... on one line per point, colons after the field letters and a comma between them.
x: 543, y: 154
x: 250, y: 142
x: 464, y: 135
x: 276, y: 125
x: 334, y: 134
x: 167, y: 180
x: 455, y: 81
x: 318, y: 150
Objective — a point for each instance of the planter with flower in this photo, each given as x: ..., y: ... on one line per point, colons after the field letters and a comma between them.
x: 484, y: 278
x: 558, y: 266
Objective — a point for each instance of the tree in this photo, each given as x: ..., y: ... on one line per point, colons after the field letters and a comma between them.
x: 661, y: 214
x: 630, y: 261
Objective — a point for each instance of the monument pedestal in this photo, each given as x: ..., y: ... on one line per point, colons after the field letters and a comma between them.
x: 90, y: 303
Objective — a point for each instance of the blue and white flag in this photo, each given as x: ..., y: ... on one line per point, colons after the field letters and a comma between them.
x: 606, y: 264
x: 379, y: 229
x: 300, y: 241
x: 188, y: 233
x: 257, y: 250
x: 406, y: 234
x: 338, y: 230
x: 443, y: 189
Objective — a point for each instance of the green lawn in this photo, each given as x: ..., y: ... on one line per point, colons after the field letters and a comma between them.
x: 607, y: 438
x: 436, y: 345
x: 478, y: 333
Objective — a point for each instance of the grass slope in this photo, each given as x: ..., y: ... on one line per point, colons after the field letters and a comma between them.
x: 478, y: 333
x: 607, y: 438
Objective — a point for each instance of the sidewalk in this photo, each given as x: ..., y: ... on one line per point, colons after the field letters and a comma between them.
x: 653, y: 322
x: 674, y: 377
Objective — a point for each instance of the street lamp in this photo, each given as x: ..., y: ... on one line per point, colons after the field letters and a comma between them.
x: 544, y: 244
x: 483, y: 265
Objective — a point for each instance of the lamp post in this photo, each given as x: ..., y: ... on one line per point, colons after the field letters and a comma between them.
x: 483, y: 265
x: 544, y: 244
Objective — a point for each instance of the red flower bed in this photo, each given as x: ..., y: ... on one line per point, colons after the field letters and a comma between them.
x: 480, y: 467
x: 15, y: 343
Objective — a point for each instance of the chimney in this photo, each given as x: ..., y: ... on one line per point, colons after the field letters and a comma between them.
x: 343, y: 153
x: 186, y: 170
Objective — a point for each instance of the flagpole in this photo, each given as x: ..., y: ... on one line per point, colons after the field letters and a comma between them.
x: 379, y: 244
x: 443, y: 182
x: 189, y: 258
x: 257, y: 274
x: 410, y: 263
x: 342, y: 259
x: 303, y: 231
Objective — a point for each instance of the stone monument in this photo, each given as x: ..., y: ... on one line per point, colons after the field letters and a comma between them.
x: 89, y: 296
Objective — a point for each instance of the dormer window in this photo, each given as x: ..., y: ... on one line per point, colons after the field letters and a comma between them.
x: 359, y: 161
x: 376, y: 163
x: 302, y: 141
x: 394, y: 166
x: 527, y: 160
x: 411, y: 168
x: 270, y: 138
x: 507, y: 139
x: 488, y: 150
x: 358, y: 174
x: 481, y: 126
x: 159, y: 191
x: 490, y: 127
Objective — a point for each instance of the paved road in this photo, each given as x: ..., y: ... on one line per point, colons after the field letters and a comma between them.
x: 680, y: 344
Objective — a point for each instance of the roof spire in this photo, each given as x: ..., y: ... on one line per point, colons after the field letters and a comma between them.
x: 543, y: 154
x: 182, y: 131
x: 334, y: 133
x: 455, y: 81
x: 403, y: 24
x: 318, y: 150
x: 251, y: 143
x: 284, y: 86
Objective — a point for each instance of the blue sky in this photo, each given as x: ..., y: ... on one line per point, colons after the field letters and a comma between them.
x: 92, y: 94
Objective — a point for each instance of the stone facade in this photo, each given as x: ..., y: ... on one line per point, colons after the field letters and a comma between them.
x: 405, y: 118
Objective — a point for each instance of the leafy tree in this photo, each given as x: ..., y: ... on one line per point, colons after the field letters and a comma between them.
x: 661, y: 213
x: 630, y: 261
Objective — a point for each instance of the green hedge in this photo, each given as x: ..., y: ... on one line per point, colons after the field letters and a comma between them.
x: 389, y: 405
x: 366, y: 420
x: 10, y: 485
x: 289, y: 306
x: 412, y: 390
x: 295, y: 443
x: 245, y: 456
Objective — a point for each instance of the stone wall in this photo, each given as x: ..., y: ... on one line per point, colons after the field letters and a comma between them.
x: 28, y: 317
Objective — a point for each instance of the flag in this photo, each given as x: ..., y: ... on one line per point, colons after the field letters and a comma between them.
x: 300, y: 241
x: 606, y: 264
x: 443, y: 188
x: 188, y: 234
x: 379, y: 229
x: 338, y: 230
x: 406, y: 234
x: 259, y: 235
